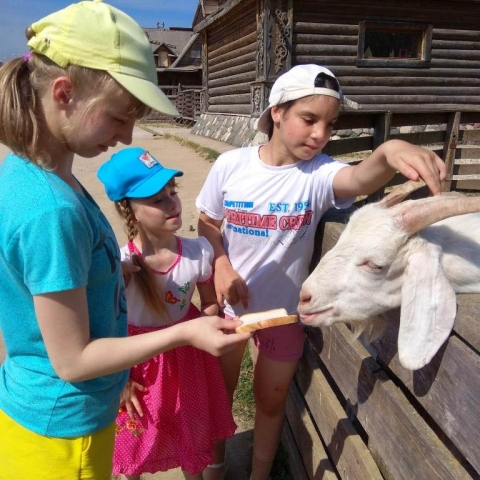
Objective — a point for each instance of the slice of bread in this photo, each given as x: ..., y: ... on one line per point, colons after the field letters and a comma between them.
x: 267, y: 319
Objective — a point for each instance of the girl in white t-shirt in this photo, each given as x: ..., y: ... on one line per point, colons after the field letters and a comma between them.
x: 175, y: 407
x: 260, y: 207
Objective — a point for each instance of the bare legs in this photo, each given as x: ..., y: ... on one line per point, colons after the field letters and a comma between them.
x: 270, y: 385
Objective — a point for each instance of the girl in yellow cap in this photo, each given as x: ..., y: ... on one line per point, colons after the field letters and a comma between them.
x: 90, y: 74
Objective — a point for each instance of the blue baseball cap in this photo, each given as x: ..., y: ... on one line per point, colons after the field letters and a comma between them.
x: 134, y: 173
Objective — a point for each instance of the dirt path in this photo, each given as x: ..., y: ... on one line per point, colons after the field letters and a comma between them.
x: 195, y: 169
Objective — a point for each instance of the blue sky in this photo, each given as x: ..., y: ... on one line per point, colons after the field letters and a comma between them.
x: 16, y: 15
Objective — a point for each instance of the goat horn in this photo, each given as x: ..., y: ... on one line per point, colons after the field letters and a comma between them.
x: 414, y: 215
x: 400, y: 192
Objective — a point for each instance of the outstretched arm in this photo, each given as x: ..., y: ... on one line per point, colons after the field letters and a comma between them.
x: 75, y: 356
x: 229, y: 285
x: 376, y: 170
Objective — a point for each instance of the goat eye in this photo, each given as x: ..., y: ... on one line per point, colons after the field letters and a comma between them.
x: 373, y: 266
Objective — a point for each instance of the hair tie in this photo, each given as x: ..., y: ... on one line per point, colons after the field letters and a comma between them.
x: 26, y: 56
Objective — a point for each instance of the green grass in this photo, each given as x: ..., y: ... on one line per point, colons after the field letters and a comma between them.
x: 244, y: 409
x: 243, y: 402
x: 205, y: 152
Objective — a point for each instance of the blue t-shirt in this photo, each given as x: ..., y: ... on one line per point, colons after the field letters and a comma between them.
x: 54, y: 239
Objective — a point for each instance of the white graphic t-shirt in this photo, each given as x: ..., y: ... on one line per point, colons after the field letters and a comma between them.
x: 271, y: 215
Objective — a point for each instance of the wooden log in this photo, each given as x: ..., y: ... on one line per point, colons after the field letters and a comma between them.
x: 411, y: 90
x: 231, y: 37
x: 390, y: 79
x: 324, y: 50
x: 230, y: 109
x: 218, y: 66
x: 352, y: 71
x: 344, y: 444
x: 234, y: 79
x: 229, y: 99
x: 421, y: 108
x: 319, y: 39
x: 452, y: 34
x: 234, y: 70
x: 454, y: 44
x: 324, y: 28
x: 236, y: 45
x: 228, y: 60
x: 402, y: 444
x: 231, y: 89
x: 456, y: 54
x: 315, y: 458
x: 364, y: 99
x: 243, y: 18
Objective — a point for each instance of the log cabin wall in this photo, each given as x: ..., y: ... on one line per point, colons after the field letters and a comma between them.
x: 327, y: 33
x: 231, y: 52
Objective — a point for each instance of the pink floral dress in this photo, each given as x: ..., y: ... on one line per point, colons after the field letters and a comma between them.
x: 186, y: 407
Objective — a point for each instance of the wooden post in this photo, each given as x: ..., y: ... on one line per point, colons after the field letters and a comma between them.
x: 204, y: 91
x: 381, y: 134
x: 450, y: 148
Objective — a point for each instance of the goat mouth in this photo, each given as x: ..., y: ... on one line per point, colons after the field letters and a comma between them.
x: 310, y: 317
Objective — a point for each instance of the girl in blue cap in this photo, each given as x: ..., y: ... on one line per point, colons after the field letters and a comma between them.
x: 89, y: 76
x: 175, y: 405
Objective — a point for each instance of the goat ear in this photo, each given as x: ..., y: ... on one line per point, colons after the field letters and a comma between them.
x: 428, y: 308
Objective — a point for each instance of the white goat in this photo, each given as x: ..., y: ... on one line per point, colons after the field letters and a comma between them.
x: 414, y: 254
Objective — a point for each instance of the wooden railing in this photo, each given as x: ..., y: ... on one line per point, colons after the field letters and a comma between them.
x: 353, y: 411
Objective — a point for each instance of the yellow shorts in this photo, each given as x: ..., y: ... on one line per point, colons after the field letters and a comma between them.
x: 26, y: 455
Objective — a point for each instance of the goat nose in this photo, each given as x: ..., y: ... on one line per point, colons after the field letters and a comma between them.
x: 305, y: 297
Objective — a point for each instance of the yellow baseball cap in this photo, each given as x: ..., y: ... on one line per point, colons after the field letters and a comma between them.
x: 96, y: 35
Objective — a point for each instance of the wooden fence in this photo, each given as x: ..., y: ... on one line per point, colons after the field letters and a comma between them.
x: 186, y: 99
x: 353, y: 411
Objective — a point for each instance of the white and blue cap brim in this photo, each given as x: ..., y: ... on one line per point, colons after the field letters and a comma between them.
x: 134, y: 173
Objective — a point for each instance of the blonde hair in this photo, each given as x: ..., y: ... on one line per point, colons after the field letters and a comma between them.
x: 151, y: 292
x: 24, y: 81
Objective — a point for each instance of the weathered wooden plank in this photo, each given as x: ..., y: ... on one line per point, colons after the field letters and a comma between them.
x: 349, y: 145
x: 470, y: 136
x: 295, y: 463
x: 350, y: 454
x: 314, y: 456
x: 449, y: 147
x: 403, y: 445
x: 448, y: 387
x: 421, y: 138
x: 466, y: 324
